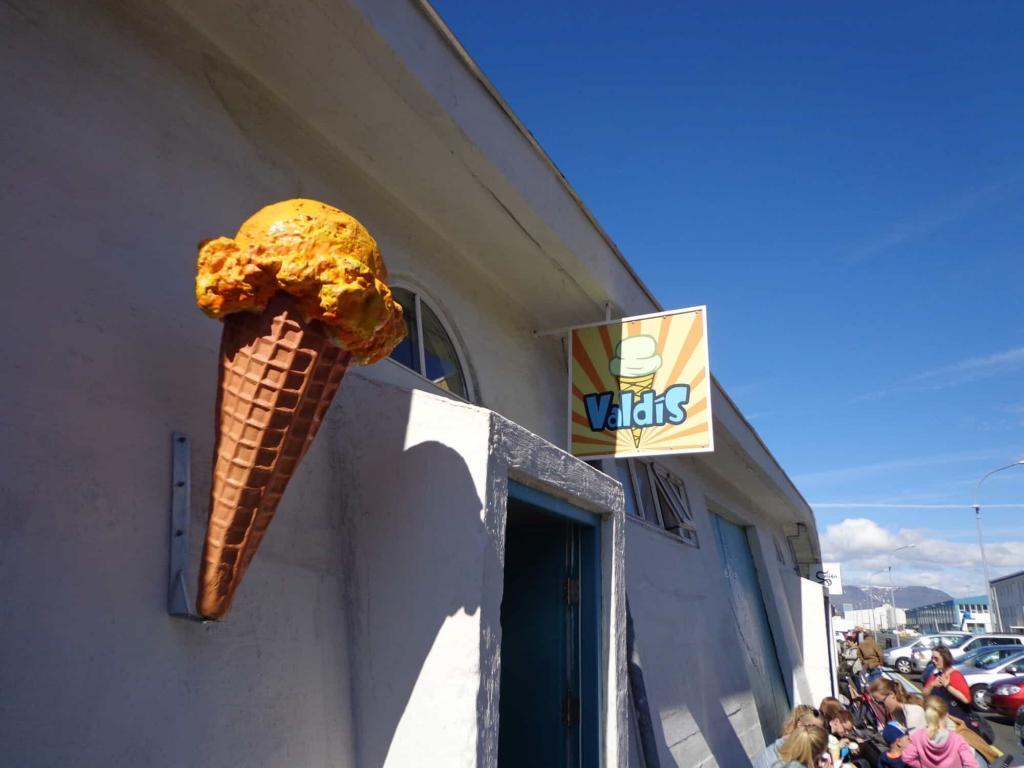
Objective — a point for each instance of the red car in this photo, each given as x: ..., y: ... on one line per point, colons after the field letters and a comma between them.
x: 1008, y: 695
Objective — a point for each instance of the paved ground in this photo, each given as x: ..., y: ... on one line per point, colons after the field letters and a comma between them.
x: 1006, y: 740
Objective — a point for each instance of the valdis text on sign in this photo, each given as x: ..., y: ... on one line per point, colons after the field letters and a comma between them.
x: 641, y: 386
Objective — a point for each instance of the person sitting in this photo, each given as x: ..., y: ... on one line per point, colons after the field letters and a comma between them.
x: 948, y: 683
x: 896, y: 738
x: 829, y: 707
x: 841, y: 742
x: 805, y: 747
x: 899, y: 705
x: 935, y: 745
x: 802, y: 716
x: 908, y: 710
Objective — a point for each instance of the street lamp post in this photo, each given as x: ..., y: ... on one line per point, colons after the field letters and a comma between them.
x: 871, y: 598
x: 892, y: 589
x: 993, y: 605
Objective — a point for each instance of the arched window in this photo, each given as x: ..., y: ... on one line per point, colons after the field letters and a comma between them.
x: 428, y: 348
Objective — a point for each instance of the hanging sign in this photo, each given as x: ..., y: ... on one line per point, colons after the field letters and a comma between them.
x: 640, y: 386
x: 830, y: 575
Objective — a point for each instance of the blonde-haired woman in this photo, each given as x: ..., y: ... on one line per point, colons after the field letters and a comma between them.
x: 802, y: 714
x: 935, y: 746
x: 805, y: 747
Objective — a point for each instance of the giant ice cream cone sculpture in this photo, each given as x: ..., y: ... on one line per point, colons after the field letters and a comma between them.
x: 301, y: 289
x: 634, y: 365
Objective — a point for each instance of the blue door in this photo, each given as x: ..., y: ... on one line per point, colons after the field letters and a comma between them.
x: 758, y: 646
x: 549, y: 708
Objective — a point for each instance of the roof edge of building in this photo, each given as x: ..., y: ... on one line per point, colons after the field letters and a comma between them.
x: 451, y: 40
x: 1013, y: 575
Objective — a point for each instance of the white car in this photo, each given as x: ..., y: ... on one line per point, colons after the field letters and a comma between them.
x: 921, y: 651
x: 901, y: 658
x: 981, y: 672
x: 971, y: 643
x: 981, y: 641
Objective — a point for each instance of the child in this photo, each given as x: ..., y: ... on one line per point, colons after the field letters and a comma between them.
x: 935, y: 746
x: 896, y: 738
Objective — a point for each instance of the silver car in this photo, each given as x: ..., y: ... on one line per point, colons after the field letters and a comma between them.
x: 921, y: 655
x: 989, y: 668
x: 900, y: 658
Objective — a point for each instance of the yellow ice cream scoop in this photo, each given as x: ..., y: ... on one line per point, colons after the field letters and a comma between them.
x: 320, y: 255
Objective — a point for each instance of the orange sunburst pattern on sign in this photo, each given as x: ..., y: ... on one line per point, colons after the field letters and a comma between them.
x: 629, y: 378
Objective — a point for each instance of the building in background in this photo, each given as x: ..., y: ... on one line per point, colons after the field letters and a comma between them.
x: 879, y: 617
x: 381, y: 622
x: 1008, y: 592
x: 969, y: 614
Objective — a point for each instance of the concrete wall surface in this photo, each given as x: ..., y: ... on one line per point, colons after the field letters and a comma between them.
x: 1009, y: 596
x: 816, y: 653
x: 367, y: 631
x: 702, y: 711
x: 701, y: 708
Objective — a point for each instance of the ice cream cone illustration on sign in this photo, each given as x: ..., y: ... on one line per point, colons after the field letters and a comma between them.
x: 301, y: 289
x: 634, y: 365
x: 640, y: 386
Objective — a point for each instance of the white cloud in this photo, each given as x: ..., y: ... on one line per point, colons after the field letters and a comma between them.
x: 864, y: 547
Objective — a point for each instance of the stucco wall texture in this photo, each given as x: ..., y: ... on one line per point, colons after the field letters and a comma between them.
x: 366, y: 632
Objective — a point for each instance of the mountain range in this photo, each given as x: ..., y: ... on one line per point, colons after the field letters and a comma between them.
x: 904, y: 597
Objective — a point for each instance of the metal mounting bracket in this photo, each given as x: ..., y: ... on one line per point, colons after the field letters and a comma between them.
x: 179, y: 603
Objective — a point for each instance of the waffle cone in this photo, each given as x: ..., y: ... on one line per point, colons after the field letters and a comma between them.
x: 639, y: 385
x: 278, y: 376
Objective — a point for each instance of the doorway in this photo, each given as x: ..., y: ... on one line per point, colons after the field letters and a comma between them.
x: 549, y: 705
x: 756, y: 641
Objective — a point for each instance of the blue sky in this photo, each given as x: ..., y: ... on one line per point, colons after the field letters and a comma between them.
x: 843, y: 185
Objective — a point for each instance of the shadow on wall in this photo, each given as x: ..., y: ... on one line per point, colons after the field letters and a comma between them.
x: 690, y: 653
x: 419, y: 551
x: 709, y: 684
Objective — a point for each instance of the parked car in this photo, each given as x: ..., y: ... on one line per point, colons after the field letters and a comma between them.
x: 986, y: 655
x: 982, y: 641
x: 981, y: 674
x: 899, y: 658
x: 1008, y: 696
x: 922, y: 654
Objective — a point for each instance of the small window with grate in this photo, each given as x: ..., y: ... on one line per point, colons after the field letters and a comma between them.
x: 656, y: 496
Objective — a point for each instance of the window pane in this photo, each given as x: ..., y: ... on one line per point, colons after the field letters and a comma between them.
x: 408, y: 350
x: 678, y: 491
x: 442, y: 364
x: 667, y: 504
x: 622, y: 475
x: 643, y: 482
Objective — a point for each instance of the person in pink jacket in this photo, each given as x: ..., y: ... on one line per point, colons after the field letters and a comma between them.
x: 936, y: 746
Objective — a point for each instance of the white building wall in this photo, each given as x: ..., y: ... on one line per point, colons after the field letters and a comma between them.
x: 138, y: 135
x: 121, y: 157
x: 1009, y: 599
x: 879, y: 617
x: 816, y: 653
x: 700, y: 700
